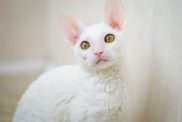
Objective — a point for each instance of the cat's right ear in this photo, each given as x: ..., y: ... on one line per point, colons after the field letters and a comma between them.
x: 71, y: 26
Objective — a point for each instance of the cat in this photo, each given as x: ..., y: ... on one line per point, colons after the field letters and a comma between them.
x: 94, y: 90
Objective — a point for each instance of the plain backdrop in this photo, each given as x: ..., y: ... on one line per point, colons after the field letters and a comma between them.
x: 31, y: 39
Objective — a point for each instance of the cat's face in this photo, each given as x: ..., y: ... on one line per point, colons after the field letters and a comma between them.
x: 97, y: 46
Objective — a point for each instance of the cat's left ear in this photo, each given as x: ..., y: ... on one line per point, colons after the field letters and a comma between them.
x: 71, y: 26
x: 114, y: 15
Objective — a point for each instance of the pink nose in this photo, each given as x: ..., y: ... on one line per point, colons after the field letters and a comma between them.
x: 99, y: 53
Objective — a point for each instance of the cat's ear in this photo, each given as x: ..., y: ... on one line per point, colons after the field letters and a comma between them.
x: 71, y: 26
x: 114, y: 15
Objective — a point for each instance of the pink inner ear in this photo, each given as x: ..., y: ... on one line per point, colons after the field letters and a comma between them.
x: 116, y: 24
x: 73, y: 35
x: 72, y: 27
x: 113, y: 14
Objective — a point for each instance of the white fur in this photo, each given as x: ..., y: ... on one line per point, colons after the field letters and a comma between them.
x: 69, y: 94
x: 95, y: 36
x: 89, y: 92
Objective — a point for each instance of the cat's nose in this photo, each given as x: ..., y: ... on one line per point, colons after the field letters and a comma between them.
x: 98, y: 53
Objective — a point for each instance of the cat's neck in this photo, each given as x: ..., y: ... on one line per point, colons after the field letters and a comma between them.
x: 113, y: 72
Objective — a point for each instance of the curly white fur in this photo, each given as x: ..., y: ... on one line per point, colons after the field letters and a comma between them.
x: 61, y: 95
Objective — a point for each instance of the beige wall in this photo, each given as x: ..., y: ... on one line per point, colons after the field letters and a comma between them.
x: 23, y: 30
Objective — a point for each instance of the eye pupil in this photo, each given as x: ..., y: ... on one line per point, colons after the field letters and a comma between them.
x: 84, y: 45
x: 109, y: 38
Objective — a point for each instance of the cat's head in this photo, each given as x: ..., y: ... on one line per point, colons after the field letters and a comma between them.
x: 96, y: 46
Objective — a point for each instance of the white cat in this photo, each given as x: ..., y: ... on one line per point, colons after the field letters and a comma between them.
x: 92, y: 91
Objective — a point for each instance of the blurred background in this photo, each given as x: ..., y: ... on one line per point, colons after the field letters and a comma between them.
x: 31, y: 42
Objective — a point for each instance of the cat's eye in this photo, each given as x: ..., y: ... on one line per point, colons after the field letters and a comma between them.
x: 85, y: 45
x: 109, y: 38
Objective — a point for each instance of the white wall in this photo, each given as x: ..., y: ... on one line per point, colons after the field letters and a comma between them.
x: 165, y: 101
x: 154, y: 33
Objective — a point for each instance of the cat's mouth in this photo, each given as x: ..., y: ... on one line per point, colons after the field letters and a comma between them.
x: 100, y: 61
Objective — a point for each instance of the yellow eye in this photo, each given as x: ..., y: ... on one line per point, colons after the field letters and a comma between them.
x: 109, y: 38
x: 85, y: 45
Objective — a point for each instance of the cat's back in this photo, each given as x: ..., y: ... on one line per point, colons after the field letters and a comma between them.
x: 58, y: 78
x: 49, y: 95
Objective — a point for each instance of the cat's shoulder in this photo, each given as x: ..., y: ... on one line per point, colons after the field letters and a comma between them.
x: 62, y: 72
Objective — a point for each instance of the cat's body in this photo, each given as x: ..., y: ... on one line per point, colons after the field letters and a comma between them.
x: 95, y: 90
x: 61, y: 95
